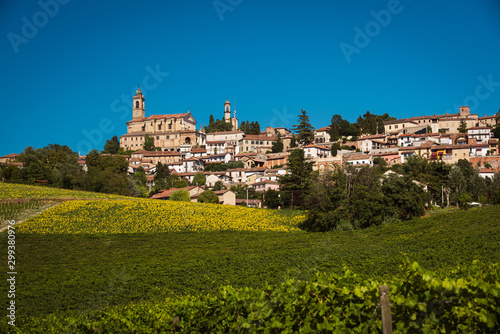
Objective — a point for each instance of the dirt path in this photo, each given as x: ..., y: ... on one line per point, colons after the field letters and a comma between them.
x: 30, y: 213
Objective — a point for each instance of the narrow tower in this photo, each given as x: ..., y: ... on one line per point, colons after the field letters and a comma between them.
x: 227, y: 111
x: 138, y: 110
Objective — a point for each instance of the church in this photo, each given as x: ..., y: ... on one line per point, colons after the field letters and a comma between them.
x: 169, y: 131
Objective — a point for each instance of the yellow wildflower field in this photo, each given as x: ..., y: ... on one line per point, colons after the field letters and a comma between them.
x: 12, y: 190
x: 142, y: 215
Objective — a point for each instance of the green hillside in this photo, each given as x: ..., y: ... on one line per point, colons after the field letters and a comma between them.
x: 82, y: 272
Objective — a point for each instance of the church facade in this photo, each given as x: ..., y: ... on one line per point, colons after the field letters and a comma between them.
x: 169, y: 131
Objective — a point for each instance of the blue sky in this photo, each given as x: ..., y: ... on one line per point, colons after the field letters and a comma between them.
x: 69, y: 68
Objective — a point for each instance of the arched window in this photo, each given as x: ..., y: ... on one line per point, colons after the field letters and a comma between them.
x: 188, y: 140
x: 137, y: 104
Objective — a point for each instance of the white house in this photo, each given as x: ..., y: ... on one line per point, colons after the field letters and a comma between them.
x: 481, y: 133
x: 479, y: 150
x: 192, y: 165
x: 486, y: 172
x: 360, y: 159
x: 216, y: 147
x: 322, y: 135
x: 316, y: 151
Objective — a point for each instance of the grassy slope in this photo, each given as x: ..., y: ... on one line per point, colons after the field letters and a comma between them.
x: 13, y: 190
x: 85, y: 272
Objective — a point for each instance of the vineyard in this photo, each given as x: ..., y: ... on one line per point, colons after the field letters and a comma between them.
x: 143, y: 266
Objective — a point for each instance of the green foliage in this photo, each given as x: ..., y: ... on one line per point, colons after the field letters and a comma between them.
x: 335, y: 148
x: 462, y: 128
x: 277, y: 145
x: 218, y: 185
x: 299, y: 171
x: 304, y: 130
x: 180, y: 195
x: 208, y: 196
x: 121, y: 269
x: 55, y: 163
x: 272, y: 199
x: 241, y: 192
x: 106, y: 174
x: 340, y: 128
x: 161, y: 178
x: 112, y: 146
x: 404, y: 198
x: 138, y: 183
x: 11, y: 173
x: 149, y: 143
x: 466, y: 302
x: 218, y: 126
x: 352, y: 197
x: 464, y: 201
x: 372, y: 124
x: 250, y: 128
x: 199, y: 179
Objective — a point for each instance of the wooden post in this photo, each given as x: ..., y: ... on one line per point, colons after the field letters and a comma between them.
x: 385, y: 307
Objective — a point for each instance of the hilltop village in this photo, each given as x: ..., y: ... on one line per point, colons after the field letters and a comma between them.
x: 188, y: 150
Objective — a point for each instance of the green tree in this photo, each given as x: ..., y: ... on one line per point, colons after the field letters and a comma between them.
x: 271, y: 199
x: 476, y: 187
x: 180, y: 195
x: 462, y: 128
x: 299, y: 171
x: 218, y: 185
x: 464, y: 202
x: 293, y: 141
x: 457, y: 184
x: 304, y: 130
x: 218, y: 125
x: 277, y: 145
x: 367, y: 123
x: 93, y: 159
x: 403, y: 197
x: 140, y: 176
x: 208, y: 196
x: 335, y: 148
x: 149, y: 143
x: 161, y: 178
x: 199, y: 179
x: 112, y: 146
x: 496, y: 129
x: 11, y: 173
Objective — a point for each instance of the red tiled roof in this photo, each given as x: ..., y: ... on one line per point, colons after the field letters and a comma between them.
x: 486, y: 170
x: 160, y: 117
x: 316, y: 146
x: 260, y: 137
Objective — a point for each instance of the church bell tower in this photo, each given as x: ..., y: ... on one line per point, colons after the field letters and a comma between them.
x: 138, y: 110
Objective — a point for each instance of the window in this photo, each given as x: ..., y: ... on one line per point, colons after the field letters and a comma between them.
x: 159, y: 127
x: 168, y: 137
x: 136, y: 104
x: 253, y: 142
x: 395, y: 126
x: 157, y: 137
x: 170, y: 126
